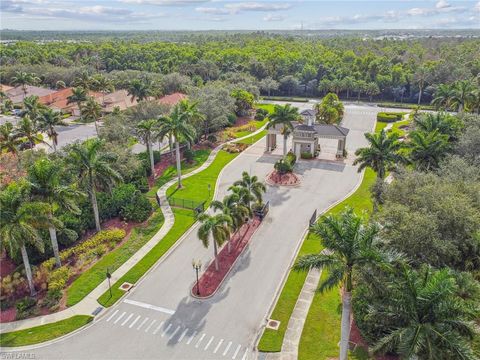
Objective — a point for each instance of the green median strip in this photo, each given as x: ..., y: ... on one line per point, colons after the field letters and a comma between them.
x: 195, y: 188
x: 42, y: 333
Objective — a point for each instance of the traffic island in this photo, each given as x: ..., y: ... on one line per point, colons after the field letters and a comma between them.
x: 211, y: 280
x: 276, y: 178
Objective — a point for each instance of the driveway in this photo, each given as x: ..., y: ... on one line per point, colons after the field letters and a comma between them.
x: 158, y: 319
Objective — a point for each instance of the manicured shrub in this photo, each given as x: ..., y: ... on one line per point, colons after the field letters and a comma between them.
x: 232, y: 119
x: 389, y: 116
x: 25, y: 307
x: 291, y: 158
x: 122, y: 195
x: 106, y: 206
x: 58, y: 278
x: 306, y: 155
x: 283, y: 166
x: 261, y: 114
x: 138, y: 210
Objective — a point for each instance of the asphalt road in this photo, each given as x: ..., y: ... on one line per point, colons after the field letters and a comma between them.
x: 158, y: 319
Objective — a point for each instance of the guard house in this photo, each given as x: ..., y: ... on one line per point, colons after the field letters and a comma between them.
x: 306, y: 135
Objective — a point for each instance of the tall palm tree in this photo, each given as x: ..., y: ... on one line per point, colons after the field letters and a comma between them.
x: 427, y: 149
x: 463, y: 93
x: 83, y: 80
x: 26, y: 129
x: 146, y: 130
x: 20, y: 220
x: 104, y: 85
x: 24, y: 79
x: 190, y: 112
x: 47, y: 121
x: 9, y: 139
x: 349, y: 244
x: 79, y: 95
x: 92, y: 111
x: 443, y: 97
x: 139, y: 89
x: 44, y: 177
x: 217, y: 227
x: 93, y: 167
x: 32, y: 107
x: 382, y: 155
x: 433, y: 320
x: 177, y: 125
x: 255, y: 188
x: 284, y: 116
x: 443, y: 122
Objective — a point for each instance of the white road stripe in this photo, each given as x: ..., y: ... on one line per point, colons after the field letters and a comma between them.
x: 218, y: 346
x: 183, y: 335
x: 149, y: 306
x: 142, y: 323
x: 228, y: 348
x: 245, y: 355
x: 209, y: 342
x: 126, y: 320
x: 149, y: 326
x: 165, y: 331
x: 173, y: 334
x: 111, y: 316
x: 199, y: 341
x: 158, y: 327
x: 236, y: 352
x: 121, y: 316
x: 191, y: 338
x: 134, y: 321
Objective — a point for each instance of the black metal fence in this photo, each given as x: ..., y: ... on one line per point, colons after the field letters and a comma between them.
x: 198, y: 206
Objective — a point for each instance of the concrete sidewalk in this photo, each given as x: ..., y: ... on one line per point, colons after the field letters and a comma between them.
x: 89, y: 305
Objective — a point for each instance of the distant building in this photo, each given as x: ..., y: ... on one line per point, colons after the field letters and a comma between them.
x: 172, y: 99
x: 117, y: 99
x: 17, y: 95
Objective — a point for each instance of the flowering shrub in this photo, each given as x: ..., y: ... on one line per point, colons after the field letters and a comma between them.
x: 58, y: 278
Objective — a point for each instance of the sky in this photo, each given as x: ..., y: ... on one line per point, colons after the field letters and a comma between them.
x: 237, y: 15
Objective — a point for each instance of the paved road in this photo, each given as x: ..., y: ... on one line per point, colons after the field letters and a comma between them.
x: 158, y: 319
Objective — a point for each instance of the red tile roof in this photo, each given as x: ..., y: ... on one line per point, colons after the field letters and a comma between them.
x: 172, y: 99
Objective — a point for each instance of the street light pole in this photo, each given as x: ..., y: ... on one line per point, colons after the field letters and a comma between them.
x: 109, y: 286
x: 197, y: 265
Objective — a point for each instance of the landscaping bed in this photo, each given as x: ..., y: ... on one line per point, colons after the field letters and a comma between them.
x: 282, y: 179
x: 211, y: 279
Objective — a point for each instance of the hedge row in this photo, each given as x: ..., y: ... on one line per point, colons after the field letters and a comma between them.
x: 390, y: 116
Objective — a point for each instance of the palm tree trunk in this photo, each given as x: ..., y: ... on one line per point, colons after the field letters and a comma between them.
x: 215, y: 253
x: 28, y: 270
x: 54, y: 145
x: 179, y: 166
x: 150, y: 154
x: 53, y: 238
x: 345, y: 326
x: 420, y: 96
x: 285, y: 137
x: 93, y: 199
x: 170, y: 144
x: 96, y: 127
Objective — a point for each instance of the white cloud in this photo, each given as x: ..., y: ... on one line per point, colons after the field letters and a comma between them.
x: 214, y: 11
x: 274, y: 17
x: 256, y: 6
x: 477, y: 6
x: 165, y: 2
x: 441, y: 7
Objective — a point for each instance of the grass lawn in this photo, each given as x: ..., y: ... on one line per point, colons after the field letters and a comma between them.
x: 268, y: 107
x: 195, y: 188
x: 380, y: 125
x: 253, y: 139
x: 396, y: 127
x: 43, y: 333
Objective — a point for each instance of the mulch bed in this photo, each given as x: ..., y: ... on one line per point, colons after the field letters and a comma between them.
x: 356, y: 338
x: 211, y: 279
x: 7, y: 266
x: 288, y: 179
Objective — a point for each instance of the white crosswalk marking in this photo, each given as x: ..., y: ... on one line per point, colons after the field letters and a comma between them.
x: 183, y: 335
x: 191, y: 338
x: 209, y: 342
x: 111, y: 316
x: 142, y: 323
x: 173, y: 334
x: 126, y: 320
x: 134, y: 321
x: 236, y: 352
x: 121, y: 316
x: 245, y: 354
x: 149, y: 326
x: 199, y: 341
x: 166, y: 330
x: 227, y: 348
x: 218, y: 346
x: 158, y: 327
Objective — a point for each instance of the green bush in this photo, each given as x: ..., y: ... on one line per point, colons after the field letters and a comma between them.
x: 283, y: 166
x: 138, y: 210
x: 306, y: 155
x: 58, y: 278
x: 291, y: 158
x: 212, y: 138
x: 389, y: 116
x: 232, y: 119
x: 123, y: 195
x: 189, y: 155
x: 261, y: 114
x: 25, y: 307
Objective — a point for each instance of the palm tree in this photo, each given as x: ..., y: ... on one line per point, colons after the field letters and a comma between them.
x: 47, y: 120
x: 146, y: 130
x: 190, y: 112
x: 94, y: 170
x: 463, y: 93
x: 427, y: 149
x: 79, y: 95
x: 91, y: 111
x: 32, y: 107
x: 44, y: 177
x: 24, y: 79
x: 382, y: 155
x: 20, y: 220
x: 433, y: 320
x: 443, y: 122
x: 177, y: 126
x: 9, y: 139
x: 26, y: 129
x: 349, y: 244
x: 284, y: 116
x: 216, y: 226
x: 255, y: 188
x: 83, y: 80
x: 443, y: 97
x: 104, y: 85
x: 139, y: 89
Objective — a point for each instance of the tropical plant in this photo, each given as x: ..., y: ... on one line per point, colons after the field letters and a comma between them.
x: 26, y: 129
x: 92, y: 164
x: 146, y: 130
x: 284, y: 116
x: 463, y: 93
x: 102, y: 84
x: 91, y: 111
x: 350, y: 243
x: 83, y: 81
x: 255, y: 189
x: 44, y: 178
x: 443, y: 97
x: 32, y: 107
x: 445, y: 124
x: 139, y: 90
x: 427, y: 149
x: 20, y: 221
x: 24, y: 79
x: 330, y: 110
x: 382, y: 155
x: 79, y: 96
x: 217, y: 227
x: 9, y: 139
x: 47, y: 121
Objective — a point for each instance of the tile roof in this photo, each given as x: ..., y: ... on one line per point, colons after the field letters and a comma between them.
x: 16, y: 94
x: 172, y: 99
